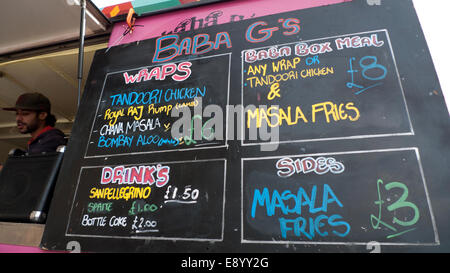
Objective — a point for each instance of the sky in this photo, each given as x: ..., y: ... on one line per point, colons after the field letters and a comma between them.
x: 435, y: 21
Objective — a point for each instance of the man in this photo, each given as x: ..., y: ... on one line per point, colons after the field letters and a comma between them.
x: 33, y: 116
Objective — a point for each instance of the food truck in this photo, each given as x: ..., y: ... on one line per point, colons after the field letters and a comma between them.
x: 235, y: 127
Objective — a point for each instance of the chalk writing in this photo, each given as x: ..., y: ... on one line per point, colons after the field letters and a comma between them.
x: 194, y: 23
x: 371, y: 65
x: 93, y: 221
x: 314, y: 72
x: 301, y: 83
x: 207, y: 132
x: 303, y: 49
x: 276, y: 116
x: 160, y: 73
x: 130, y: 200
x: 94, y: 207
x: 112, y: 116
x: 358, y: 42
x: 123, y: 193
x: 156, y: 140
x: 142, y: 224
x: 251, y: 55
x: 209, y: 20
x: 312, y: 60
x: 296, y: 198
x: 285, y: 64
x: 116, y: 221
x: 288, y: 203
x: 135, y: 115
x: 164, y: 109
x: 139, y: 206
x: 186, y: 196
x: 375, y: 220
x: 135, y: 112
x: 144, y: 175
x: 115, y: 142
x: 259, y: 32
x: 257, y: 81
x: 286, y: 166
x: 142, y: 125
x: 271, y: 79
x: 157, y: 96
x: 192, y: 103
x: 274, y: 91
x: 199, y: 44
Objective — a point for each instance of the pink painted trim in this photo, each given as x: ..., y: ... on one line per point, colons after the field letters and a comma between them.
x: 4, y: 248
x: 154, y: 26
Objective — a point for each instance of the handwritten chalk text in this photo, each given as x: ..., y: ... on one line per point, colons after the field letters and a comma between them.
x: 275, y: 116
x: 144, y: 175
x: 124, y: 193
x: 160, y: 73
x: 288, y: 203
x: 321, y: 165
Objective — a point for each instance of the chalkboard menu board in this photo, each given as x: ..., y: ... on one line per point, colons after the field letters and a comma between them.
x: 285, y: 133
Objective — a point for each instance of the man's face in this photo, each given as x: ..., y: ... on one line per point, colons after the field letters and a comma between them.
x: 27, y: 121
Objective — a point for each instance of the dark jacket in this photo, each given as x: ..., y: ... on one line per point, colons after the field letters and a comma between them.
x: 48, y: 141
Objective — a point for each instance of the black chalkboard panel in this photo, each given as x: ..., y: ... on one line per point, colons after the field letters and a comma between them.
x: 312, y: 199
x: 351, y: 107
x: 134, y: 114
x: 343, y: 86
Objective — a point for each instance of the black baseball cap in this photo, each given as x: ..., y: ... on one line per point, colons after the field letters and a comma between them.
x: 31, y: 101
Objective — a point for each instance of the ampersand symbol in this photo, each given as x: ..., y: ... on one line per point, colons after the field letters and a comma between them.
x: 274, y: 91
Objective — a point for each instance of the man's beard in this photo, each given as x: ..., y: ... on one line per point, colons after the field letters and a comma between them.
x: 27, y: 128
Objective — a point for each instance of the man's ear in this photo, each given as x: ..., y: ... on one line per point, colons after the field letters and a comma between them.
x: 42, y: 115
